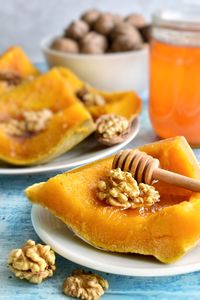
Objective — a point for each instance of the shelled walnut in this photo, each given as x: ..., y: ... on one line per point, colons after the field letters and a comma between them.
x: 120, y: 189
x: 33, y: 262
x: 90, y: 98
x: 11, y: 78
x: 111, y: 128
x: 85, y: 285
x: 30, y: 122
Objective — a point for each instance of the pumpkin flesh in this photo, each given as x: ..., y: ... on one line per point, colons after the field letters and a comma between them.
x: 167, y: 233
x: 14, y: 60
x: 126, y: 104
x: 70, y: 124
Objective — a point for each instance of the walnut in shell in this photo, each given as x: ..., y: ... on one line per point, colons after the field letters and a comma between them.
x: 93, y: 43
x: 85, y: 285
x: 125, y: 38
x: 104, y: 24
x: 112, y: 129
x: 65, y: 45
x: 77, y: 30
x: 90, y: 16
x: 136, y: 20
x: 33, y: 262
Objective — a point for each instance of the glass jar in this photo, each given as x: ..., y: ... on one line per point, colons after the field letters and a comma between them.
x: 174, y: 100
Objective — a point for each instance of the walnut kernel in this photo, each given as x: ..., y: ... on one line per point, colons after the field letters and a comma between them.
x: 85, y: 285
x: 33, y: 262
x: 111, y: 126
x: 122, y: 190
x: 31, y: 122
x: 90, y: 98
x: 11, y: 78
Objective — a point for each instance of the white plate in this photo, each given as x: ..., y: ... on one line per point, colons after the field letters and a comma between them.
x: 55, y: 233
x: 87, y: 151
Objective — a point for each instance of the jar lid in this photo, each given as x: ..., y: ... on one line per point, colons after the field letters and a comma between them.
x: 187, y: 18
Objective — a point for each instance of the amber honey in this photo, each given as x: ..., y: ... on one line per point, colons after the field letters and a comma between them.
x: 175, y: 85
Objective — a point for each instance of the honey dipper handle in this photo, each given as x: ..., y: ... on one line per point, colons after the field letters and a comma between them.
x: 177, y: 179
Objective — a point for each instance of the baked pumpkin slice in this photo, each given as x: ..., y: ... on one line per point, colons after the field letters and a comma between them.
x: 98, y: 103
x: 40, y: 120
x: 15, y: 67
x: 166, y: 233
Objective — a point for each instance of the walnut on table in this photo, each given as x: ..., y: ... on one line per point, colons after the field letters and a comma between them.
x: 85, y: 285
x: 33, y: 262
x: 120, y: 189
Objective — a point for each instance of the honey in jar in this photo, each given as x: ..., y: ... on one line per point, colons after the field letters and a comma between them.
x: 174, y: 101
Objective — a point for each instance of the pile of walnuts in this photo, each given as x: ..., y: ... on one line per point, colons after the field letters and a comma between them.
x: 97, y: 32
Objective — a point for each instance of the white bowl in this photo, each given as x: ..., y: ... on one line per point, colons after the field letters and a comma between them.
x: 110, y: 72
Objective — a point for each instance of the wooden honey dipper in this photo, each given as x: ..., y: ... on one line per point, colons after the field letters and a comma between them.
x: 146, y: 168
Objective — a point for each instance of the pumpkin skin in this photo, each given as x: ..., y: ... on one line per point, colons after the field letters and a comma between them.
x: 70, y: 124
x: 126, y: 104
x: 14, y: 60
x: 166, y: 234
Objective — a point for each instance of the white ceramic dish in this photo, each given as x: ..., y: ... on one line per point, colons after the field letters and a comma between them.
x: 113, y: 71
x: 87, y: 151
x: 55, y: 233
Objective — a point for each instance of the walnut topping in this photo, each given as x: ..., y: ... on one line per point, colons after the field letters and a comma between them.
x: 10, y: 78
x: 33, y: 262
x: 121, y: 189
x: 89, y: 98
x: 86, y: 286
x: 32, y: 122
x: 110, y: 127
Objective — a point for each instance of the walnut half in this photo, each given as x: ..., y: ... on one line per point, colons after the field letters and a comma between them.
x: 33, y: 262
x: 122, y: 190
x: 112, y: 129
x: 31, y: 122
x: 85, y: 285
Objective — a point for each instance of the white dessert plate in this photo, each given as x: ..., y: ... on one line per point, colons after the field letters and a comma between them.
x: 87, y: 151
x: 63, y: 241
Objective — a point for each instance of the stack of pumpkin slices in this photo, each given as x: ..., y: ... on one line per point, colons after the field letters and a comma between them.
x: 41, y: 116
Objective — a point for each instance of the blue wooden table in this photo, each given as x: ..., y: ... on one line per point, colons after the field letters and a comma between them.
x: 16, y: 228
